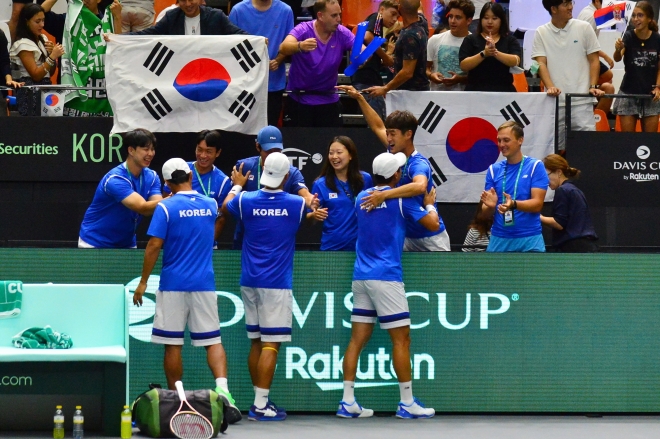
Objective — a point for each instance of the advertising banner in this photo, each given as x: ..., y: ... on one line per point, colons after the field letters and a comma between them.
x: 490, y: 333
x: 617, y: 169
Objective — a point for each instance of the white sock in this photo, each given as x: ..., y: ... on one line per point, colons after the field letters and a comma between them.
x: 406, y: 392
x: 222, y: 383
x: 260, y: 397
x: 349, y: 392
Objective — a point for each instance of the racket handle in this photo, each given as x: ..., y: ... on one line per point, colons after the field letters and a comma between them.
x: 179, y: 389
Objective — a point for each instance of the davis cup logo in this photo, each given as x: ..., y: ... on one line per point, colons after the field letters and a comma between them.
x: 472, y: 145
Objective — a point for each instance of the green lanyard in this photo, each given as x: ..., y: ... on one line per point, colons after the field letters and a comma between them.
x: 259, y: 173
x: 130, y: 178
x: 515, y: 188
x: 201, y: 183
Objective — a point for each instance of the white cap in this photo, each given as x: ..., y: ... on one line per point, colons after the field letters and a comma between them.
x: 276, y: 167
x: 173, y: 165
x: 387, y: 164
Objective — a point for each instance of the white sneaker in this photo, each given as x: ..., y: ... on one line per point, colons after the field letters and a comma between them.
x: 414, y: 411
x: 353, y: 410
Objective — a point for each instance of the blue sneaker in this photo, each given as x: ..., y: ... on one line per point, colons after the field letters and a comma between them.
x: 353, y: 410
x: 268, y: 413
x: 416, y: 410
x: 274, y: 407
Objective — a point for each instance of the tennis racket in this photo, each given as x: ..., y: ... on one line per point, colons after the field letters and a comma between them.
x: 189, y: 424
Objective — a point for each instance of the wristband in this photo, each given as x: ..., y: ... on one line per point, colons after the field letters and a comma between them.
x: 483, y: 55
x: 431, y: 208
x: 515, y: 205
x: 236, y: 189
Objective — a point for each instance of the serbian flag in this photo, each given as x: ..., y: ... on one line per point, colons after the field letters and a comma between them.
x: 608, y: 16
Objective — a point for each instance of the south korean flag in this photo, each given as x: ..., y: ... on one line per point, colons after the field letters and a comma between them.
x: 188, y: 84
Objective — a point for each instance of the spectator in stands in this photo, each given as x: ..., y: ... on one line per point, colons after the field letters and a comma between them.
x: 572, y: 68
x: 269, y: 140
x: 125, y: 194
x: 606, y: 75
x: 572, y: 229
x: 191, y: 18
x: 639, y: 49
x: 33, y: 58
x: 478, y: 235
x: 443, y: 65
x: 478, y: 5
x: 207, y: 179
x: 54, y: 23
x: 409, y: 53
x: 5, y: 71
x: 274, y: 20
x: 369, y: 74
x: 12, y: 24
x: 137, y: 15
x: 336, y: 187
x: 316, y: 49
x: 488, y: 55
x: 514, y: 193
x: 397, y: 134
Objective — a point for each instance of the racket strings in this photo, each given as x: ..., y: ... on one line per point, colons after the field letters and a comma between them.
x: 191, y: 426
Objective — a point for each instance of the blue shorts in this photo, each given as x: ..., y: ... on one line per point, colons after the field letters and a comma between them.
x: 520, y: 245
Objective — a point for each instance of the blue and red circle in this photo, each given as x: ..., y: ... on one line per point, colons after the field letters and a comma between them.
x: 472, y: 145
x: 202, y: 80
x: 51, y: 100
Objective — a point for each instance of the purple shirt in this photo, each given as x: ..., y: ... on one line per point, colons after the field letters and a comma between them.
x: 317, y: 70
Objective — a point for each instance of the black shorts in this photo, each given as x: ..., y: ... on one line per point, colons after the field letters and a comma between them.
x: 603, y: 68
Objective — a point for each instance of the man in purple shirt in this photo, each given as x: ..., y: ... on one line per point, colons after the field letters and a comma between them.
x: 316, y: 50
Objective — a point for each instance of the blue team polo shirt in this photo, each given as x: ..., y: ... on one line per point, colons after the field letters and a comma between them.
x: 271, y: 219
x: 214, y: 184
x: 107, y: 222
x: 274, y: 24
x: 532, y: 175
x: 293, y: 184
x: 416, y: 165
x: 381, y: 233
x: 340, y: 227
x: 186, y: 223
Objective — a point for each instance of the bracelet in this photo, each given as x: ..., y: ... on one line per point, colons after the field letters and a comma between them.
x: 236, y: 189
x: 299, y: 48
x: 596, y: 86
x: 431, y: 208
x: 515, y: 205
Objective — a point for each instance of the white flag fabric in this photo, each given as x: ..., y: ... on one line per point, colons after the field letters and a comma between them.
x: 52, y: 102
x: 458, y: 133
x: 187, y: 83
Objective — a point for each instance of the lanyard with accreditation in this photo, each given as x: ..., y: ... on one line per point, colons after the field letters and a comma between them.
x: 508, y: 215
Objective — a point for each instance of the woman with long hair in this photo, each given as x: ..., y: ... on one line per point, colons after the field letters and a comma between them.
x: 33, y: 58
x: 572, y: 229
x: 478, y: 235
x: 488, y: 55
x: 639, y: 49
x: 337, y: 186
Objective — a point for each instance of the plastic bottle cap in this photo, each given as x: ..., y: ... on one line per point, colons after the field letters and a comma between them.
x: 125, y: 406
x: 58, y: 406
x: 78, y: 407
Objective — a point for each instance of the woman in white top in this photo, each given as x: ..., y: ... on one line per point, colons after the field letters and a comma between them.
x: 32, y: 57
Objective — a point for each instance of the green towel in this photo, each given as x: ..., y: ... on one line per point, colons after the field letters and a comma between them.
x: 41, y: 338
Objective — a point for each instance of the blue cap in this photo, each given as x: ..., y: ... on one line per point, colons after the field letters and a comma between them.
x: 269, y: 138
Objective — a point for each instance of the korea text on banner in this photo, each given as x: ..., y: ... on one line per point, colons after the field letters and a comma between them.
x: 458, y: 133
x: 188, y: 84
x: 83, y: 62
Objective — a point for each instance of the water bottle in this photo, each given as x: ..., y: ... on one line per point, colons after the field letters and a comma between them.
x: 58, y: 421
x: 126, y: 423
x: 78, y: 423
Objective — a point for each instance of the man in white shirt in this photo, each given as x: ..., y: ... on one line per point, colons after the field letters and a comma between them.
x: 443, y: 66
x: 567, y: 53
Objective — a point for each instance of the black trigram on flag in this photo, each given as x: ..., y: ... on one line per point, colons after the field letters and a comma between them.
x: 513, y: 111
x: 245, y: 55
x: 431, y: 116
x: 436, y: 173
x: 156, y: 104
x: 158, y: 58
x: 242, y: 106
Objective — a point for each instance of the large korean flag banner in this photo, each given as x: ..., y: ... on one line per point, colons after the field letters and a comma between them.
x: 458, y: 133
x: 187, y: 83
